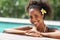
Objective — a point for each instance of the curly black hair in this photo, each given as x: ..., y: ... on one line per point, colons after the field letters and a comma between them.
x: 38, y: 4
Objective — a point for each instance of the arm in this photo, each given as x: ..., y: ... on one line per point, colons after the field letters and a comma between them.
x: 13, y: 31
x: 23, y: 31
x: 23, y: 28
x: 55, y: 34
x: 20, y: 30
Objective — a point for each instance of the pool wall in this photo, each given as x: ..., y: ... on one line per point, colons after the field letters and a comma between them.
x: 16, y: 20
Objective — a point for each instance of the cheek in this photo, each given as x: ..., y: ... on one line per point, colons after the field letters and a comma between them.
x: 30, y: 20
x: 39, y: 19
x: 41, y: 16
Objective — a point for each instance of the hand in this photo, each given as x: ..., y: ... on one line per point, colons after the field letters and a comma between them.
x: 33, y: 33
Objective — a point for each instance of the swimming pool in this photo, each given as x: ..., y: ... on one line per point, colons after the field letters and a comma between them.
x: 4, y: 25
x: 14, y: 22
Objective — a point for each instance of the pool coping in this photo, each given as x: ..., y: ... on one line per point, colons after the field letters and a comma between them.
x: 5, y: 36
x: 17, y: 20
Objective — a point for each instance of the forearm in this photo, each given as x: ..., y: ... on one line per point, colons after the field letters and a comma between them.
x: 52, y: 35
x: 23, y: 28
x: 12, y: 31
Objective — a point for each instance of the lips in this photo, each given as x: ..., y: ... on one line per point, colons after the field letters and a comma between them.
x: 35, y: 23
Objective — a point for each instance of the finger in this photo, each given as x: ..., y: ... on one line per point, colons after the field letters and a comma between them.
x: 44, y: 34
x: 32, y: 34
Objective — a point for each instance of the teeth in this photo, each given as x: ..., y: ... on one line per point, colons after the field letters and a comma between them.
x: 35, y: 22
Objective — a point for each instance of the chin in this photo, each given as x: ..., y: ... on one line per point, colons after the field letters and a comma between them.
x: 36, y: 25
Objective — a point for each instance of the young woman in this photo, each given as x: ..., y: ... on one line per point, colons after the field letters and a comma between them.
x: 37, y: 11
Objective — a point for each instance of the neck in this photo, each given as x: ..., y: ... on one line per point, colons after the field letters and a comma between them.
x: 42, y: 28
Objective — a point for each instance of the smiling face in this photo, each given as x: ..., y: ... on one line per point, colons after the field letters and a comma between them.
x: 36, y: 18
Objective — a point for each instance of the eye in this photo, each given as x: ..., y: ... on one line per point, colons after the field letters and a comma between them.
x: 31, y: 17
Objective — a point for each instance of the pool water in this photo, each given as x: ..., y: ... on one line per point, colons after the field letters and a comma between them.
x: 4, y: 25
x: 54, y: 26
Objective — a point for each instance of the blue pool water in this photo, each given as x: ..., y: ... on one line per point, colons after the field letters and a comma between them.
x: 54, y: 26
x: 4, y: 25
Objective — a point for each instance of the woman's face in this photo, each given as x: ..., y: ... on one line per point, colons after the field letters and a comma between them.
x: 36, y: 18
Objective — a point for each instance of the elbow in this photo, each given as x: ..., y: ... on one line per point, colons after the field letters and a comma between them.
x: 4, y: 31
x: 7, y: 31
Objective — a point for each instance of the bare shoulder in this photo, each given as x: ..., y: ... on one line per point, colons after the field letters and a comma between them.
x: 52, y: 29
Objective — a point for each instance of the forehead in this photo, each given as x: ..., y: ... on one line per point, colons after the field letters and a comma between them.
x: 34, y: 10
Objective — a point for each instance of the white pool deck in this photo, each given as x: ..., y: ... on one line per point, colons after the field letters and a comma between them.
x: 5, y: 36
